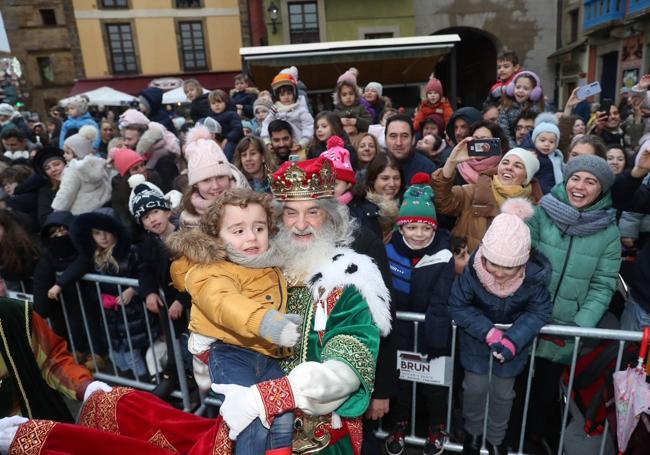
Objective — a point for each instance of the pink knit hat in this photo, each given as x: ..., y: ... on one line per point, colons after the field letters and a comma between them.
x: 205, y: 158
x: 124, y: 159
x: 340, y: 157
x: 507, y: 240
x: 434, y: 85
x: 349, y: 76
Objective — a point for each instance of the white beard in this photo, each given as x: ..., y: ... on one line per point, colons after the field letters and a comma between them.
x: 301, y: 259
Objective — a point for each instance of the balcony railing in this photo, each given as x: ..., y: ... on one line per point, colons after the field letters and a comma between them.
x: 638, y: 6
x: 599, y: 12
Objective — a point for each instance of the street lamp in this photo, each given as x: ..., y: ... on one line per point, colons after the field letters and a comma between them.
x: 274, y: 12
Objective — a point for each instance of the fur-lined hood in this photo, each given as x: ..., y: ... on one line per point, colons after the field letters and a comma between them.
x: 337, y: 101
x: 104, y: 219
x: 388, y: 210
x: 197, y: 246
x: 189, y: 248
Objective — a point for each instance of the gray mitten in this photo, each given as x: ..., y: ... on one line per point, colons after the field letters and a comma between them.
x: 281, y: 329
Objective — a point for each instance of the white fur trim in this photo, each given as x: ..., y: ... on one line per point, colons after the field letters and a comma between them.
x: 348, y: 268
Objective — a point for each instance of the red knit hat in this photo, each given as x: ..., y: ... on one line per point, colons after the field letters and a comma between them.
x: 124, y: 159
x: 340, y: 158
x: 434, y: 85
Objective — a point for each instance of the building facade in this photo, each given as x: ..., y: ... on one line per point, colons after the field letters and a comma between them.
x: 486, y: 28
x: 43, y: 39
x: 606, y: 41
x: 126, y: 43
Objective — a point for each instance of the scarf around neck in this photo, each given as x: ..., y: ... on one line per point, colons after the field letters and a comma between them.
x: 502, y: 192
x: 490, y: 283
x: 576, y: 222
x: 471, y: 169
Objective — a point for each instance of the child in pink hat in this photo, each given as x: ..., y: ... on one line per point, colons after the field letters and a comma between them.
x: 347, y: 103
x: 504, y: 283
x: 340, y: 157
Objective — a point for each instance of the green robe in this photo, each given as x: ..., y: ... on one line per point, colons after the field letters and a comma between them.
x: 350, y: 336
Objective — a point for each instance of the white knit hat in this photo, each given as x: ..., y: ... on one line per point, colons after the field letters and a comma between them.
x: 205, y: 158
x: 531, y: 163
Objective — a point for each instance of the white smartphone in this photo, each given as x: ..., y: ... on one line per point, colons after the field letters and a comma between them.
x: 588, y: 90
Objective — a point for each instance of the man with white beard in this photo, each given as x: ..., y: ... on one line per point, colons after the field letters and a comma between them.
x: 330, y: 375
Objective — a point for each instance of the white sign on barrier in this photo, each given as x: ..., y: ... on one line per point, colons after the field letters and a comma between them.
x: 20, y: 296
x: 415, y: 367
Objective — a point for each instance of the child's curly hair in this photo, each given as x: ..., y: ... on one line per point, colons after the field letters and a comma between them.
x: 240, y: 197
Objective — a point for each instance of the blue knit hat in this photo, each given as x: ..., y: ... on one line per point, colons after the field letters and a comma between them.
x: 545, y: 123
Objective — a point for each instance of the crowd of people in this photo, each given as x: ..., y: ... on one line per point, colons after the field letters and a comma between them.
x: 225, y: 211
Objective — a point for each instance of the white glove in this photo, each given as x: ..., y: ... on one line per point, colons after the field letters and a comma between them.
x: 95, y: 386
x: 8, y: 429
x: 241, y: 405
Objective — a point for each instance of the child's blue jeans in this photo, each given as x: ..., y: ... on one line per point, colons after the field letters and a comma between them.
x: 235, y: 365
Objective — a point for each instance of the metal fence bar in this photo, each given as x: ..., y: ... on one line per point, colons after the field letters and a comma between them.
x: 619, y: 359
x: 414, y: 387
x: 529, y: 385
x: 67, y: 324
x: 120, y: 282
x: 84, y: 318
x: 180, y: 366
x: 450, y: 393
x: 572, y: 373
x: 578, y: 333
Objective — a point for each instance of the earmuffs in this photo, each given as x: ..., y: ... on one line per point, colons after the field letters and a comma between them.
x: 535, y: 94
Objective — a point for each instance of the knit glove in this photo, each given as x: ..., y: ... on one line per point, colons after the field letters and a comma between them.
x: 280, y: 328
x: 503, y: 350
x: 241, y: 406
x: 95, y: 386
x: 493, y: 336
x: 8, y: 429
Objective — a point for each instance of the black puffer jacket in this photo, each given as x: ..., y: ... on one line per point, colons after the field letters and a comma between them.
x: 129, y: 265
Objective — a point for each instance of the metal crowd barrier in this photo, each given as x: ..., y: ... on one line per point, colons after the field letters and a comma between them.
x: 183, y: 392
x: 577, y: 333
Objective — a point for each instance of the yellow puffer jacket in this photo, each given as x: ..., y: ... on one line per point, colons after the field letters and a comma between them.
x: 229, y: 301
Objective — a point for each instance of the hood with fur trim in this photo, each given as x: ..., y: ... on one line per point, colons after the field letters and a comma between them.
x: 197, y: 246
x: 347, y: 268
x: 337, y: 101
x: 104, y: 219
x: 388, y: 210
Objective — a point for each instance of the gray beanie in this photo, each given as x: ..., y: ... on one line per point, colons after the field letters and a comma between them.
x: 263, y: 103
x: 593, y: 164
x: 81, y: 143
x: 376, y: 86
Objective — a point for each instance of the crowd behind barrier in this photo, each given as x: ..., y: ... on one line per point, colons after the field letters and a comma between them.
x: 184, y: 390
x: 513, y: 212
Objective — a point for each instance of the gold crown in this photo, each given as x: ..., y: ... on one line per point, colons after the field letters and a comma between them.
x: 299, y: 181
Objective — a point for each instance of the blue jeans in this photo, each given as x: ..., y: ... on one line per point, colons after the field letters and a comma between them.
x: 634, y: 317
x: 234, y: 365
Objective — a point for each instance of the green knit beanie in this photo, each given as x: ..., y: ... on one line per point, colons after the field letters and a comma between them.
x: 417, y: 206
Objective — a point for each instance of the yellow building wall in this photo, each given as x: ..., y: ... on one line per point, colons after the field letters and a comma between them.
x: 92, y: 48
x: 156, y: 38
x: 224, y: 41
x: 157, y: 46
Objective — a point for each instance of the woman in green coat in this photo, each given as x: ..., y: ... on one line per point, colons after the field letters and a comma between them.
x: 574, y: 226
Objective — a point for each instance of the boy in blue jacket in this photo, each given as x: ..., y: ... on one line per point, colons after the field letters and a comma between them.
x: 422, y: 268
